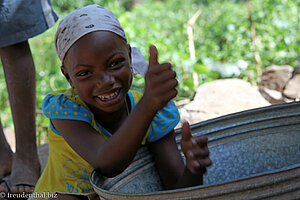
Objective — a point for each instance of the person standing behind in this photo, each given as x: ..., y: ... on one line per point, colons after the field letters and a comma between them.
x: 19, y: 21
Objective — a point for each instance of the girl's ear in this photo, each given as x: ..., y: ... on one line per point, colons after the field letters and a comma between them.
x: 129, y: 52
x: 66, y: 74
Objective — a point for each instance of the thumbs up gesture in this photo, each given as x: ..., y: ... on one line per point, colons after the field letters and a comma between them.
x: 195, y: 150
x: 160, y: 82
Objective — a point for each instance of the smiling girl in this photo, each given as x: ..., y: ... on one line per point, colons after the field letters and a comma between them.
x: 100, y: 123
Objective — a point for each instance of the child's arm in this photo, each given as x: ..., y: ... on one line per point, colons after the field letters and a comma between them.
x: 113, y: 155
x: 169, y: 163
x: 109, y: 156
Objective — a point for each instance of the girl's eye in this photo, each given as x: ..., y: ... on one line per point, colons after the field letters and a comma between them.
x: 83, y: 73
x: 117, y: 64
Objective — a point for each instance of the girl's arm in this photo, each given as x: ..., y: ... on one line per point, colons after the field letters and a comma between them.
x: 111, y: 156
x: 173, y: 172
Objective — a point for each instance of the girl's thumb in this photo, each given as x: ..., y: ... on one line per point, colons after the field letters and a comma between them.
x: 186, y: 131
x: 153, y: 55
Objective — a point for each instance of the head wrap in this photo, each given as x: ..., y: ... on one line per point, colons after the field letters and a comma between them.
x: 89, y: 19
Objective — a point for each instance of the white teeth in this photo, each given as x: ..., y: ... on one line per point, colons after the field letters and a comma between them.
x: 109, y: 97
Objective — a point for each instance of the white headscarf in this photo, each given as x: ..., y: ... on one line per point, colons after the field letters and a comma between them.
x: 89, y: 19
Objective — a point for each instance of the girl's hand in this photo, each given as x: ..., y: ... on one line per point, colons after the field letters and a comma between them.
x: 160, y: 81
x: 195, y: 150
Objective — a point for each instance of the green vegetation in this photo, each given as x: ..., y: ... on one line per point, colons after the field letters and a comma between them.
x: 222, y: 39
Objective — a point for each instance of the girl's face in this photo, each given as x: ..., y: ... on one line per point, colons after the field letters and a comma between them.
x: 98, y: 66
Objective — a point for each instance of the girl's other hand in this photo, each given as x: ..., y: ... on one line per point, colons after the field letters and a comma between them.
x: 160, y: 82
x: 195, y: 150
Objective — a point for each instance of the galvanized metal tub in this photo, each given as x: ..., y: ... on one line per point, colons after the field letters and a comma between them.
x: 255, y: 154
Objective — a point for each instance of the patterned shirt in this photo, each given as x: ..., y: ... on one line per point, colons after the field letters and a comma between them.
x: 66, y: 171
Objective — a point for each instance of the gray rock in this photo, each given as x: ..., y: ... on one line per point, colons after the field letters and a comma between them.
x: 275, y: 77
x: 272, y: 96
x: 222, y: 97
x: 274, y: 81
x: 292, y: 88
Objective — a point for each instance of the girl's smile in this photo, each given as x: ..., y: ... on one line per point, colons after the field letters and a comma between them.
x: 109, y: 99
x: 112, y: 96
x: 98, y: 66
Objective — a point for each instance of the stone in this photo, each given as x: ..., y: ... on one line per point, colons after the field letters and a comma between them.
x: 275, y: 77
x: 292, y: 88
x: 272, y: 96
x: 221, y: 97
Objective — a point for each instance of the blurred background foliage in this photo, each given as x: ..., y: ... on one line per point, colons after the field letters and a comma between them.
x: 222, y: 39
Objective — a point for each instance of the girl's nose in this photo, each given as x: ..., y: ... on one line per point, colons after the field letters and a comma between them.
x: 105, y: 80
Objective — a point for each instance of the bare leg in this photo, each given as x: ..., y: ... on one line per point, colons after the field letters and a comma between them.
x: 6, y: 155
x: 19, y: 72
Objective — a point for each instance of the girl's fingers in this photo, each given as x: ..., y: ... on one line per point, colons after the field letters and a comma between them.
x: 205, y: 162
x: 199, y: 166
x: 199, y: 152
x: 170, y: 95
x: 167, y: 86
x: 159, y: 68
x: 195, y: 167
x: 201, y: 141
x: 165, y: 75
